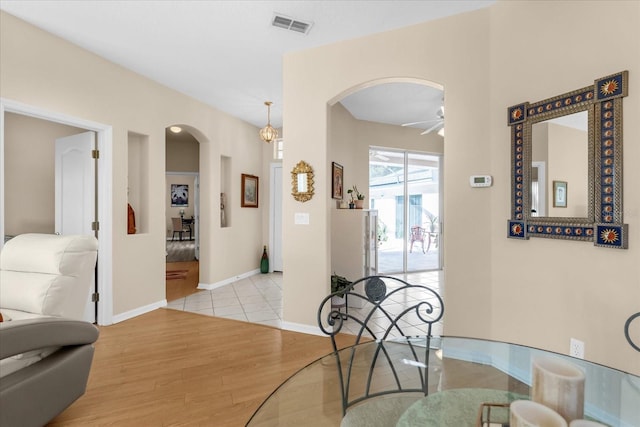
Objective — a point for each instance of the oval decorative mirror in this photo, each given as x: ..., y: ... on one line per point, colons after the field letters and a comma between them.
x: 302, y: 181
x: 566, y: 165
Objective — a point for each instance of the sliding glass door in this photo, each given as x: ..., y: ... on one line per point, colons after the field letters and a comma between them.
x: 405, y: 188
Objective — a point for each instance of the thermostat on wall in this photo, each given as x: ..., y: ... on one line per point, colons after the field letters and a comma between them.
x: 480, y: 180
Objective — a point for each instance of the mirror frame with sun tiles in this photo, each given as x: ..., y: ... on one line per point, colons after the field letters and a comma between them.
x: 604, y: 223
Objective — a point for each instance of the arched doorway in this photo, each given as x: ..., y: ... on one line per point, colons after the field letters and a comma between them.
x: 182, y: 211
x: 399, y: 125
x: 386, y: 136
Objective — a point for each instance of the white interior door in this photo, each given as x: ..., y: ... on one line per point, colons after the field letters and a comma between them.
x: 276, y: 217
x: 196, y: 215
x: 75, y: 192
x: 75, y: 184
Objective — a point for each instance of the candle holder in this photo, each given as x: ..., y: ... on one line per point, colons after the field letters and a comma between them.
x: 525, y: 413
x: 559, y: 385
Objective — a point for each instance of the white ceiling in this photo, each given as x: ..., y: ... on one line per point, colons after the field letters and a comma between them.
x: 228, y: 55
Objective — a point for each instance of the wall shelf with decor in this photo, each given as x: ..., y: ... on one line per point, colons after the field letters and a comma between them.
x: 137, y: 183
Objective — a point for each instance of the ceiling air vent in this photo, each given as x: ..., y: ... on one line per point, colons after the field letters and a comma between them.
x: 282, y: 21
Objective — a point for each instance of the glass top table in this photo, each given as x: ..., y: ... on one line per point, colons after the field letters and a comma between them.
x: 462, y: 375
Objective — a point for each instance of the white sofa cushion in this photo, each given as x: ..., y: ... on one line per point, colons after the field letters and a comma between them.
x: 47, y: 274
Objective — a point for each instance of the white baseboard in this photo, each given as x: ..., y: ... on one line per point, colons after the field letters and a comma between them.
x: 302, y: 328
x: 138, y: 311
x: 211, y: 286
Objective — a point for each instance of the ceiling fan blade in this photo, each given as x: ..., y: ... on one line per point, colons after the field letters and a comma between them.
x: 420, y: 122
x: 432, y: 128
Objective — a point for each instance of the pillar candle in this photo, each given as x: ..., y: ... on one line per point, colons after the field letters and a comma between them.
x: 525, y: 413
x: 558, y: 384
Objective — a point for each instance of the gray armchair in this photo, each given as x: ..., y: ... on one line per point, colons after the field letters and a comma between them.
x: 37, y: 393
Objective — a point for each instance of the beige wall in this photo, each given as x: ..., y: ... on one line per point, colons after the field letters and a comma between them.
x: 29, y: 173
x: 35, y: 71
x: 183, y: 152
x: 343, y: 149
x: 539, y: 292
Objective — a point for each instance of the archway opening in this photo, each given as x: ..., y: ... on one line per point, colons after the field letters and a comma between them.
x: 182, y: 211
x: 388, y: 137
x: 398, y: 125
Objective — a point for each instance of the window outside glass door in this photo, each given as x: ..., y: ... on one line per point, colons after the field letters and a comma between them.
x: 408, y: 233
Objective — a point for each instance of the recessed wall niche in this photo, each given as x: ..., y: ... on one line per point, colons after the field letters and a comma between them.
x: 138, y: 181
x: 225, y: 191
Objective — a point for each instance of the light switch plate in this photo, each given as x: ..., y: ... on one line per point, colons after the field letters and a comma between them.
x: 301, y: 218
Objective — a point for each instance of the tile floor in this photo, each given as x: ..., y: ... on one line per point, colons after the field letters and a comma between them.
x: 258, y: 299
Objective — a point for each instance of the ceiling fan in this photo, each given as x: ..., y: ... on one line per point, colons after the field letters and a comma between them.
x: 437, y: 124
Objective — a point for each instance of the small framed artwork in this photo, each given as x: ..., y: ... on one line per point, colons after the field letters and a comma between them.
x: 249, y: 191
x: 179, y: 195
x: 559, y: 194
x: 337, y: 179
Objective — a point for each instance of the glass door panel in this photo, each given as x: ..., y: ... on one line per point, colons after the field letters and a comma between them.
x: 423, y: 188
x: 386, y: 190
x: 408, y: 233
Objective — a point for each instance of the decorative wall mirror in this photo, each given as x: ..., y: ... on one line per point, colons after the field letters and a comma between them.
x: 566, y: 165
x: 302, y: 182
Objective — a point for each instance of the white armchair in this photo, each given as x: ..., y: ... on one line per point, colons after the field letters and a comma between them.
x: 47, y: 350
x: 47, y: 275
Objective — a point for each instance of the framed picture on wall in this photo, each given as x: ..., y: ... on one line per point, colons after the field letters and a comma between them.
x: 179, y: 195
x: 337, y: 180
x: 249, y: 191
x: 559, y: 194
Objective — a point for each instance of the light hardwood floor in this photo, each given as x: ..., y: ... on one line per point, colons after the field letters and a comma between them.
x: 181, y: 287
x: 173, y: 368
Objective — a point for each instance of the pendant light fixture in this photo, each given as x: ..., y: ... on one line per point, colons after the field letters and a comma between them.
x: 268, y: 133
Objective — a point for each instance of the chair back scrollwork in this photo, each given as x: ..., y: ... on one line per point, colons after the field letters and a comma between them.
x: 627, y: 334
x: 400, y: 318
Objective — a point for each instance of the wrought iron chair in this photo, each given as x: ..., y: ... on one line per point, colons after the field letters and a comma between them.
x: 627, y: 334
x: 419, y: 234
x: 393, y: 333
